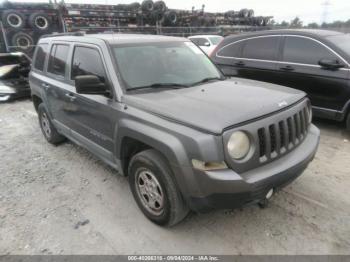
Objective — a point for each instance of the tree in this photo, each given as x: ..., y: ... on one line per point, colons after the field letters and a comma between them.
x: 296, y: 23
x: 313, y: 25
x: 284, y: 24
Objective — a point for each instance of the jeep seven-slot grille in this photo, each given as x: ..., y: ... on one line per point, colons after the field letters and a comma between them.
x: 282, y: 136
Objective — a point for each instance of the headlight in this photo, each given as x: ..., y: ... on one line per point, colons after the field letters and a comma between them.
x: 238, y: 145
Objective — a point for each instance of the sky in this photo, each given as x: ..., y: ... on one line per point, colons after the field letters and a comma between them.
x: 307, y: 10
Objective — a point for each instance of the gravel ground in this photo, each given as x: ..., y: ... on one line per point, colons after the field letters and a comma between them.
x: 62, y: 200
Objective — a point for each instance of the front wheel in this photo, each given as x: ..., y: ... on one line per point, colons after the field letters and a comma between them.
x: 154, y: 189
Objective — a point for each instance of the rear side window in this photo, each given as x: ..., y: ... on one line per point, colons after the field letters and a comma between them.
x: 261, y: 48
x: 231, y: 50
x: 57, y: 59
x: 87, y: 61
x: 40, y: 56
x: 305, y: 51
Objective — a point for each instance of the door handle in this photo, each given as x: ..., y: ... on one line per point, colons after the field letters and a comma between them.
x: 240, y: 63
x: 71, y: 96
x: 287, y: 68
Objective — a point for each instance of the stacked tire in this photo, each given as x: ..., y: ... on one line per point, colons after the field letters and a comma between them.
x: 16, y: 26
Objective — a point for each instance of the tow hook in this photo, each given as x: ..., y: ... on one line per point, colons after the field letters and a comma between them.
x: 265, y: 202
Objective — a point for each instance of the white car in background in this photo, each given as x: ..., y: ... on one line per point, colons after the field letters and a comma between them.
x: 206, y: 42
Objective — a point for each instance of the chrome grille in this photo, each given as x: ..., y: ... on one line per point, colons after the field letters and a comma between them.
x: 279, y: 137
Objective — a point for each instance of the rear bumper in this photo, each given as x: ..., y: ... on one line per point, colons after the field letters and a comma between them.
x: 227, y: 189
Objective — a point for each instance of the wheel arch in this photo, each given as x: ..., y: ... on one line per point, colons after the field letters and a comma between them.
x: 36, y: 101
x: 133, y: 137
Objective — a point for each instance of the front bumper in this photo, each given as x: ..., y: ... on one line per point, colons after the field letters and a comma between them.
x: 228, y: 189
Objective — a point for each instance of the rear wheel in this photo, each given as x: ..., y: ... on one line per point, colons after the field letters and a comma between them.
x: 47, y: 128
x: 155, y: 190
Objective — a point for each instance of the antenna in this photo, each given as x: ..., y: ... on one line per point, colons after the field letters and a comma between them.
x: 326, y: 5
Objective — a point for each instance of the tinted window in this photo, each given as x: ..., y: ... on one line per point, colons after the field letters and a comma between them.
x: 231, y: 50
x: 342, y: 41
x: 40, y: 56
x: 264, y: 48
x: 87, y: 61
x: 200, y: 41
x: 57, y: 60
x: 305, y: 51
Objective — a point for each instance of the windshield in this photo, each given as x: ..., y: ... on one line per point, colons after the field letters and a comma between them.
x: 156, y: 64
x: 215, y: 40
x: 342, y: 41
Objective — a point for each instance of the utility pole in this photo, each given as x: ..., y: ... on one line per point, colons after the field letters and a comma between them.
x: 326, y: 5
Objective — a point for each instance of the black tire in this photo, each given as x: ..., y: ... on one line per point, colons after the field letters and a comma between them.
x: 22, y: 42
x: 244, y: 13
x: 147, y: 6
x: 160, y: 7
x: 52, y: 136
x: 13, y: 19
x: 230, y: 14
x: 151, y: 167
x: 170, y: 17
x: 40, y: 22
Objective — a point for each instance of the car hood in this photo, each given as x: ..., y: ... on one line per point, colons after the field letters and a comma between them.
x: 215, y: 106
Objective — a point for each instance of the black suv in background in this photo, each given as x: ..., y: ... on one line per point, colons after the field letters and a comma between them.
x: 315, y: 61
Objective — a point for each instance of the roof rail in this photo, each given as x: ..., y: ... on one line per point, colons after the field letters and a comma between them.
x: 64, y: 34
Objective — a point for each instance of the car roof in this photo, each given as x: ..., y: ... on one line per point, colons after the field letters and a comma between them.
x: 303, y: 32
x: 115, y: 38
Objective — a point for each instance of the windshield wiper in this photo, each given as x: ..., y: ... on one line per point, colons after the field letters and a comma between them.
x: 161, y: 85
x: 205, y: 80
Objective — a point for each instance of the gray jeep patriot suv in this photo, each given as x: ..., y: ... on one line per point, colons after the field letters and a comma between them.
x: 159, y: 111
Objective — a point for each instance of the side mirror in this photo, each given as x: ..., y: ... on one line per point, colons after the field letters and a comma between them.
x: 330, y: 64
x: 90, y: 85
x: 206, y: 44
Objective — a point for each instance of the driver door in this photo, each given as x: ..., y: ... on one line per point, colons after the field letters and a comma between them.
x: 92, y: 118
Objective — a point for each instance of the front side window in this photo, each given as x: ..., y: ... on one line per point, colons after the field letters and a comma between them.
x: 40, y: 56
x: 261, y: 48
x: 87, y: 61
x: 57, y: 59
x: 180, y: 63
x: 342, y: 41
x: 305, y: 51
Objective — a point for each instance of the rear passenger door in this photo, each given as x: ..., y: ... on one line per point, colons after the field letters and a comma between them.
x: 299, y: 69
x: 92, y: 118
x: 258, y: 58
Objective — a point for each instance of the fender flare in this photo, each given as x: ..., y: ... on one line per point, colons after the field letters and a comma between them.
x: 167, y: 144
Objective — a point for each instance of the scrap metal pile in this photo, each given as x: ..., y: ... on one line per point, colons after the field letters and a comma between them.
x: 23, y: 23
